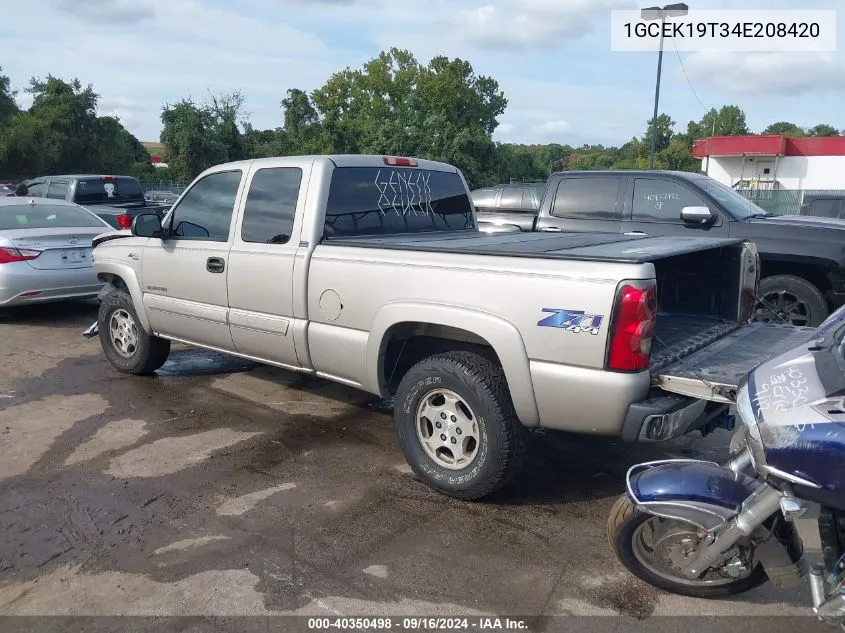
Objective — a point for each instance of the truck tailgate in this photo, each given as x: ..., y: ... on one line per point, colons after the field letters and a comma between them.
x: 714, y: 372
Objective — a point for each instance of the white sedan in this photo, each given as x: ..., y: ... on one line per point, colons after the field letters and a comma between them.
x: 45, y: 250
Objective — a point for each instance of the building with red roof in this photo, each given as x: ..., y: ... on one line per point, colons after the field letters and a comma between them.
x: 773, y: 161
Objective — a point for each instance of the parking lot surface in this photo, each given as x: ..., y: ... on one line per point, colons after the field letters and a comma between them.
x: 223, y: 488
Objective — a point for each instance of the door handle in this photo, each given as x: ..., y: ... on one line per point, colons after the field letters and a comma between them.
x: 636, y: 233
x: 551, y: 229
x: 215, y: 265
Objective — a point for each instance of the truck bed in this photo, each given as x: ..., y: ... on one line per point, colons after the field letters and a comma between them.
x: 606, y: 247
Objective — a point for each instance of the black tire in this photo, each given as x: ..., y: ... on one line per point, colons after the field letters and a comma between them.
x: 481, y: 384
x: 622, y: 526
x: 150, y: 353
x: 804, y: 291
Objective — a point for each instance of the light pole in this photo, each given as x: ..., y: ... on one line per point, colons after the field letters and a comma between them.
x: 656, y: 13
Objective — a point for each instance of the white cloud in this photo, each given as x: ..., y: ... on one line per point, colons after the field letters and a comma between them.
x: 179, y: 48
x: 532, y: 24
x: 504, y: 128
x: 767, y: 74
x: 553, y: 127
x: 106, y: 11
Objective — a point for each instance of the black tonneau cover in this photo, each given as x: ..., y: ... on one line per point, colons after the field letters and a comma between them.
x: 613, y: 247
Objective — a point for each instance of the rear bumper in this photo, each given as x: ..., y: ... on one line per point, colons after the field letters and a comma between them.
x: 19, y: 279
x: 663, y: 416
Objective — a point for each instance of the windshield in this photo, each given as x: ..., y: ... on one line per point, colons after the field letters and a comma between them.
x: 120, y: 189
x: 738, y: 206
x: 45, y: 216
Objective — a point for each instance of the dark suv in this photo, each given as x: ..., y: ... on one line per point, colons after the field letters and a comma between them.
x: 511, y: 205
x: 803, y: 257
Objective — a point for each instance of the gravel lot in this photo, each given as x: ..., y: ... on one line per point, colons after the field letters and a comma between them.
x: 221, y: 488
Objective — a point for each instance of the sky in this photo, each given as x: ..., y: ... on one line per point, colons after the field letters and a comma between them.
x: 552, y: 59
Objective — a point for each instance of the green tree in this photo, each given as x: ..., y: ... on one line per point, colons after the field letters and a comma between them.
x: 785, y: 128
x: 23, y: 139
x: 226, y: 113
x: 8, y: 106
x: 69, y: 113
x: 118, y: 150
x: 189, y: 139
x: 822, y: 129
x: 395, y: 105
x: 665, y: 131
x: 729, y: 120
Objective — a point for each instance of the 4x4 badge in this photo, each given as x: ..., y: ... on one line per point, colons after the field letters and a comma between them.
x: 576, y: 321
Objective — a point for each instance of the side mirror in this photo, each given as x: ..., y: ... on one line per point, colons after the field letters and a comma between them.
x: 146, y: 225
x: 697, y: 215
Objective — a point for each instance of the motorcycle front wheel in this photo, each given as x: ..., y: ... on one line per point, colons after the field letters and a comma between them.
x: 653, y: 548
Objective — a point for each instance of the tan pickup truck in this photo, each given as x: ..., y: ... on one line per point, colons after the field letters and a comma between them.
x: 371, y: 271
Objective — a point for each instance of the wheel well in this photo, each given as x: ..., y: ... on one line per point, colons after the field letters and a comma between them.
x: 406, y: 344
x: 113, y: 280
x: 814, y: 274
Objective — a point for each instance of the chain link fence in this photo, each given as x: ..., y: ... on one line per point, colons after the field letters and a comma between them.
x: 173, y: 186
x: 786, y: 201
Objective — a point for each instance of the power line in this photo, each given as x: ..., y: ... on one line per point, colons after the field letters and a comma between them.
x: 694, y: 93
x: 691, y: 87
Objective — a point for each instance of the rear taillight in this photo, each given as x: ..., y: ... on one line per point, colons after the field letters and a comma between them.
x: 9, y: 255
x: 124, y: 221
x: 630, y: 345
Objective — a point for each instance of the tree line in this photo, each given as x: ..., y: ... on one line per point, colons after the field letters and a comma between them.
x: 393, y: 104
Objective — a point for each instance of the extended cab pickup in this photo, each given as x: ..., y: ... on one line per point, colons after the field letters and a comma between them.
x: 371, y: 271
x: 803, y: 259
x: 115, y: 199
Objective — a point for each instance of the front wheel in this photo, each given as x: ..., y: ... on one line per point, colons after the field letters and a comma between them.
x: 653, y: 549
x: 125, y: 344
x: 790, y: 300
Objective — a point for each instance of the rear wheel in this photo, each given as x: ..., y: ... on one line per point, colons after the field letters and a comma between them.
x: 457, y: 426
x: 125, y: 344
x: 790, y: 300
x: 653, y: 549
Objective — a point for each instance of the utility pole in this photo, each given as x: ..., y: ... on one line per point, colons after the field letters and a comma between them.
x: 656, y: 13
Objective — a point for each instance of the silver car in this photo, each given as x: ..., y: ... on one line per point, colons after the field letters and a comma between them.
x: 45, y: 250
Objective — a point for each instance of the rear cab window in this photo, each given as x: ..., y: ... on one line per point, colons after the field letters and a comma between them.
x: 394, y: 200
x: 57, y: 189
x: 107, y: 189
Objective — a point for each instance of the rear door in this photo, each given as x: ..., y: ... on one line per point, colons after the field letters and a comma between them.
x: 654, y: 208
x: 585, y: 203
x: 183, y: 276
x: 261, y: 263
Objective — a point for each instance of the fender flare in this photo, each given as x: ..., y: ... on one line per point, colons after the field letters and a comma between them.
x: 699, y: 492
x: 129, y: 277
x: 503, y: 337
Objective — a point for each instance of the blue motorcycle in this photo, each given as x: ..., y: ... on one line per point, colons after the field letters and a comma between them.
x: 710, y: 530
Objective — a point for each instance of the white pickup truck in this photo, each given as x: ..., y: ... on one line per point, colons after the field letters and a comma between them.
x: 371, y: 271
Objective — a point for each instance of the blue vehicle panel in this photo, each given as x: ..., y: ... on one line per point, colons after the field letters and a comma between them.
x: 702, y: 482
x: 797, y: 404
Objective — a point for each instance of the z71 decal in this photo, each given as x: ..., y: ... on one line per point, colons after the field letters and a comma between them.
x: 572, y: 320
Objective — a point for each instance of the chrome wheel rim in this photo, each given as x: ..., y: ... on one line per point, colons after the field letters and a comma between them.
x: 123, y: 333
x: 662, y: 545
x: 447, y: 429
x: 780, y: 306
